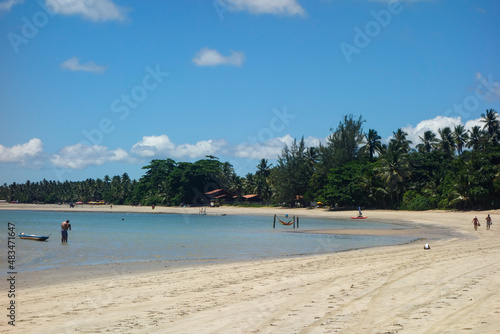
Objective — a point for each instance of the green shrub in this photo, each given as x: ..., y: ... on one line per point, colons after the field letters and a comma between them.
x: 415, y: 202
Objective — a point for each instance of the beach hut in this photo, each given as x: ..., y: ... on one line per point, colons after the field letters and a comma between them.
x: 219, y: 196
x: 252, y: 198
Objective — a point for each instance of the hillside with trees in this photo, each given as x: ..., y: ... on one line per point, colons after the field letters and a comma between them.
x: 451, y: 169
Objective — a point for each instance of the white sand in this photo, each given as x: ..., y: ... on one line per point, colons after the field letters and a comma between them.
x: 451, y: 288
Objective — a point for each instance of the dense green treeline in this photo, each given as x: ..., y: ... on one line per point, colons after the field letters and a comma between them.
x: 165, y: 182
x: 112, y: 190
x: 453, y: 168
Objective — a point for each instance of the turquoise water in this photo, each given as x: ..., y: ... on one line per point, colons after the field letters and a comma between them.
x: 98, y: 238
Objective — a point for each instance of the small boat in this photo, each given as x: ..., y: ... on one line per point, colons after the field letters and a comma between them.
x: 33, y: 237
x: 359, y: 217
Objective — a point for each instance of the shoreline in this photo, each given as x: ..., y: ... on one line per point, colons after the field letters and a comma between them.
x: 401, y: 228
x: 413, y: 228
x: 395, y: 217
x: 57, y: 275
x: 453, y: 287
x: 76, y: 273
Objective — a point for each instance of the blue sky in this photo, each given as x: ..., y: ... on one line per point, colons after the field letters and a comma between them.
x: 93, y: 88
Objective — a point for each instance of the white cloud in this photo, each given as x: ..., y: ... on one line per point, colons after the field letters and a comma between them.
x: 162, y: 146
x: 473, y: 122
x: 94, y: 10
x: 7, y: 5
x: 23, y: 154
x: 283, y: 7
x: 80, y: 156
x: 201, y: 148
x: 270, y: 149
x: 211, y: 57
x: 150, y: 146
x: 73, y: 64
x: 439, y: 122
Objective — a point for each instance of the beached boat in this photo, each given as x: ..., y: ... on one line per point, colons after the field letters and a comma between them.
x: 33, y: 237
x: 359, y: 217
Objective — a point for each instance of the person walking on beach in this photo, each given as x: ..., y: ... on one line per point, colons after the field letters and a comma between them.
x: 488, y: 222
x: 65, y: 226
x: 475, y: 221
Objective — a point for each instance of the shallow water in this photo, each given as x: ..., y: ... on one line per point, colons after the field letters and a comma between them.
x: 98, y: 238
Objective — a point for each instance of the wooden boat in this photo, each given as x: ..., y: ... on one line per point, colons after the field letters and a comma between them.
x: 359, y: 217
x: 33, y: 237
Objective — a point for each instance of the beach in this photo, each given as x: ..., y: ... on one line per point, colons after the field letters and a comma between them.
x: 451, y: 288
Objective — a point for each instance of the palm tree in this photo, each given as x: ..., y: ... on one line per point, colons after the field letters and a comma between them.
x: 491, y: 125
x: 227, y: 176
x: 260, y: 182
x: 373, y: 144
x: 476, y: 136
x: 250, y: 184
x: 394, y: 170
x: 460, y: 196
x: 399, y: 142
x: 311, y: 156
x: 428, y: 141
x: 460, y: 138
x: 263, y: 168
x: 446, y: 142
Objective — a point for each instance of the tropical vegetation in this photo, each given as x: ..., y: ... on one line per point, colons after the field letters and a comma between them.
x: 453, y: 168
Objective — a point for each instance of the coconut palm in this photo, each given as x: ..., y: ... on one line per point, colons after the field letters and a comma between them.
x: 311, y: 156
x: 460, y: 196
x: 460, y: 137
x: 476, y: 136
x: 263, y: 168
x: 399, y: 142
x: 446, y: 142
x: 394, y: 169
x: 428, y: 142
x: 373, y: 144
x: 250, y: 184
x: 490, y: 118
x: 260, y: 180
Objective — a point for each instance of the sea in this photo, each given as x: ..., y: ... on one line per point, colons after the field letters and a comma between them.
x: 98, y: 238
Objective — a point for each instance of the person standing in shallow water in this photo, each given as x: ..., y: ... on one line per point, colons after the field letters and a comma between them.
x: 65, y: 226
x: 475, y: 221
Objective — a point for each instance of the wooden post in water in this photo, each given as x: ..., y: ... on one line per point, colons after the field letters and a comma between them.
x: 294, y: 222
x: 297, y: 221
x: 274, y: 221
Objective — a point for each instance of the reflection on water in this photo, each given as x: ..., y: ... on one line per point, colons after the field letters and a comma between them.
x: 122, y: 237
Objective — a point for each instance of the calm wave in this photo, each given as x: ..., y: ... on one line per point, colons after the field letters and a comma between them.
x: 123, y: 237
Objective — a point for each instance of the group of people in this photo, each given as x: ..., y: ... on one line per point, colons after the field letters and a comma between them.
x: 476, y: 223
